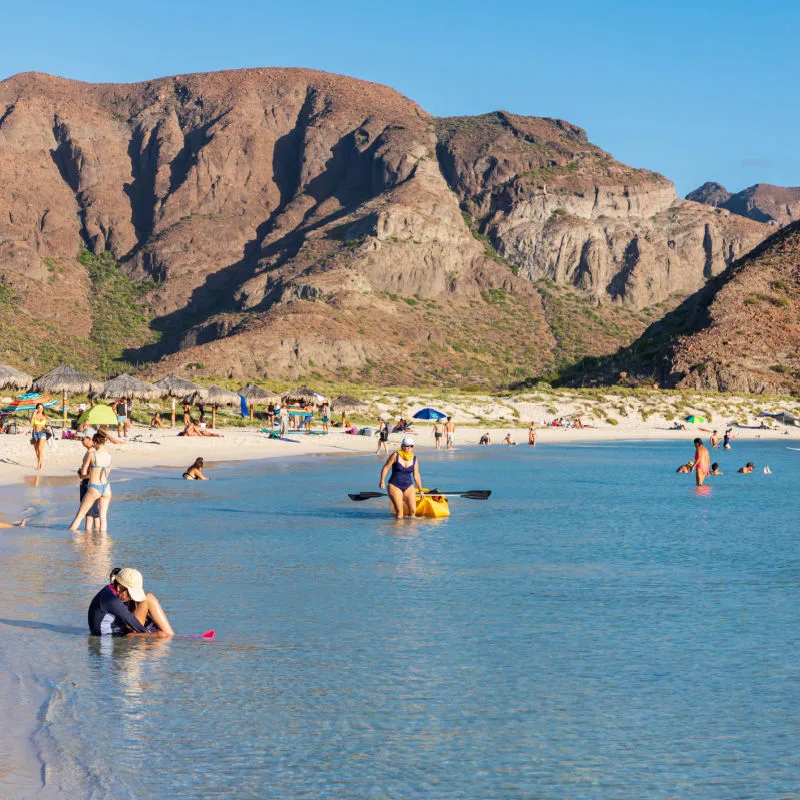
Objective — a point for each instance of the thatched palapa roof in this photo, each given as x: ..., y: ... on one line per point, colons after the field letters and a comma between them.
x: 15, y: 379
x: 344, y: 402
x: 302, y: 394
x: 173, y: 386
x: 215, y: 396
x: 67, y: 379
x: 255, y: 394
x: 128, y: 386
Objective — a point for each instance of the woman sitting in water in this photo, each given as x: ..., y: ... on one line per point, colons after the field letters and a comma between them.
x: 405, y: 473
x: 96, y: 466
x: 195, y: 472
x: 123, y: 609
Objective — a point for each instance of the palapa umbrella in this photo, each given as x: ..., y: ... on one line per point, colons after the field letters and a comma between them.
x: 100, y: 414
x: 255, y: 394
x: 302, y: 394
x: 215, y: 396
x: 15, y: 379
x: 345, y: 403
x: 429, y: 414
x: 127, y: 386
x: 67, y: 380
x: 172, y: 386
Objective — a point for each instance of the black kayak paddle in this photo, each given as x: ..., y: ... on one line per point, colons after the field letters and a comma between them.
x: 475, y: 494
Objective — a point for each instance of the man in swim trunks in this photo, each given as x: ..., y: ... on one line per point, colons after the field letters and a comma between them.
x: 701, y: 462
x: 714, y: 440
x: 108, y: 612
x: 450, y: 429
x: 438, y: 432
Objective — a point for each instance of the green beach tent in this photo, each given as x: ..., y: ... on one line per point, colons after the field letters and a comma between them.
x: 99, y: 415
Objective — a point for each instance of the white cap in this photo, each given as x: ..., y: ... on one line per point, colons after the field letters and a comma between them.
x: 132, y: 580
x: 407, y: 441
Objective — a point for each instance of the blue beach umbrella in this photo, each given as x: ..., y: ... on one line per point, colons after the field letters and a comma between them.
x: 28, y: 402
x: 429, y: 414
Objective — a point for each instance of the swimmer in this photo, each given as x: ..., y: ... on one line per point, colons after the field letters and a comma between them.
x: 195, y: 472
x: 715, y: 470
x: 747, y: 468
x: 701, y: 462
x: 405, y: 473
x: 686, y: 468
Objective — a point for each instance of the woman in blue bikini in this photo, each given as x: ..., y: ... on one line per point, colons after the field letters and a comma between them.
x: 405, y: 473
x: 97, y: 464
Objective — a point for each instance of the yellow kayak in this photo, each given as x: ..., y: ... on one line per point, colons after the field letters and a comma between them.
x: 432, y: 505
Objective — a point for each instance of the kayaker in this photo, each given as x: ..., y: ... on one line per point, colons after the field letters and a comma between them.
x: 405, y: 473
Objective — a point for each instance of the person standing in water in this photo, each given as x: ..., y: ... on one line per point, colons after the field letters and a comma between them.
x: 714, y: 440
x: 701, y: 462
x: 438, y: 432
x: 405, y: 473
x: 96, y: 465
x: 532, y: 434
x: 450, y: 430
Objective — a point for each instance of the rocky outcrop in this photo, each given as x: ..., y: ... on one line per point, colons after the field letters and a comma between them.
x: 773, y: 205
x: 294, y: 222
x: 559, y: 207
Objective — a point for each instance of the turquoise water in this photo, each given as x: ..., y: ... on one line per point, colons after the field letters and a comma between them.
x: 595, y: 629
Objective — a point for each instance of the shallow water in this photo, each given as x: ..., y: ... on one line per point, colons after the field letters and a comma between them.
x: 595, y: 629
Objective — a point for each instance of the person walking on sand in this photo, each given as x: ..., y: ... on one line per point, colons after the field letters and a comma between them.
x: 283, y: 420
x: 438, y: 432
x: 450, y: 430
x: 405, y: 473
x: 383, y: 436
x: 325, y: 413
x: 701, y: 461
x: 97, y: 465
x: 39, y: 425
x: 532, y: 434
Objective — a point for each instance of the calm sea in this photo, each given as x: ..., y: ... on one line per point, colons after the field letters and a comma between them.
x: 596, y: 629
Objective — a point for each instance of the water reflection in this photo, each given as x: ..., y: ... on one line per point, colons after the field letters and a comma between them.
x: 95, y: 549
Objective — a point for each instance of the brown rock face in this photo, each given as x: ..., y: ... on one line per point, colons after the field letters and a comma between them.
x: 774, y: 205
x: 740, y: 333
x: 297, y: 222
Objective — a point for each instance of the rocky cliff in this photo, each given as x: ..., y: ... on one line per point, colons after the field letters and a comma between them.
x: 284, y: 222
x: 774, y: 205
x: 740, y: 333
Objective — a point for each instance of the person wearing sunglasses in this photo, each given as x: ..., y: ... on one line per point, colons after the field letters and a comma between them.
x: 404, y: 475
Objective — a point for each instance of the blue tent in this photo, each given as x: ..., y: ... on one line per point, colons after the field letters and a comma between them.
x: 429, y: 414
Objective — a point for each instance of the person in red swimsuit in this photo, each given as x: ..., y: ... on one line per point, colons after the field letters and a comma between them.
x: 702, y: 461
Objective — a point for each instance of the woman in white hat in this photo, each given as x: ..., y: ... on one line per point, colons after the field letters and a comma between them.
x: 405, y: 473
x: 110, y: 613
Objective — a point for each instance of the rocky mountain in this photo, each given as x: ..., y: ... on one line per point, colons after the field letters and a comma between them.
x: 739, y: 333
x: 775, y: 205
x: 286, y: 223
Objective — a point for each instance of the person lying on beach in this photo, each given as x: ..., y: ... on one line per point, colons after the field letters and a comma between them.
x: 86, y: 431
x: 686, y: 468
x: 747, y: 468
x: 156, y: 421
x: 110, y: 611
x: 195, y: 472
x: 715, y: 470
x: 192, y: 429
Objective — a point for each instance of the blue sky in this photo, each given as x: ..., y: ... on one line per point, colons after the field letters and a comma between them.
x: 696, y: 90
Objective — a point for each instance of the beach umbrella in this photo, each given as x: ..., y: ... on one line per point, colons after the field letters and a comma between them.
x: 127, y: 386
x: 302, y: 394
x: 429, y: 414
x: 345, y: 403
x: 215, y: 396
x: 15, y: 379
x: 255, y: 394
x: 67, y: 380
x: 100, y: 414
x: 695, y: 418
x: 28, y: 402
x: 172, y: 386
